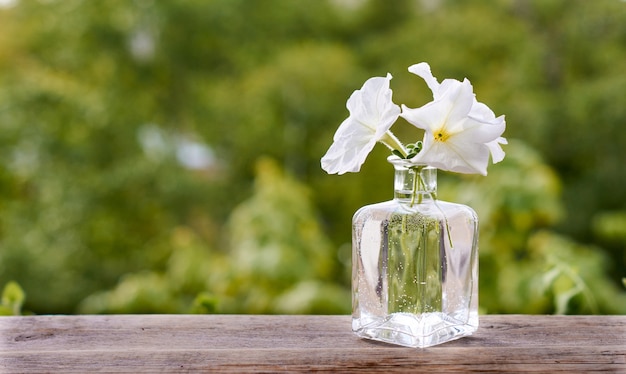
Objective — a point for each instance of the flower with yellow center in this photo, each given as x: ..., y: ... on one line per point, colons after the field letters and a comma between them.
x: 460, y: 133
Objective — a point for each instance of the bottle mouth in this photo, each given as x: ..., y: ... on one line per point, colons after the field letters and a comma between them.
x: 406, y: 163
x: 413, y: 181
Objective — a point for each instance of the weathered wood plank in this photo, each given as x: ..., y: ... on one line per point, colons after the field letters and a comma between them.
x: 183, y: 343
x: 270, y: 360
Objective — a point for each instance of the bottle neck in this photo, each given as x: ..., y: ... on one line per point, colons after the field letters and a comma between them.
x: 413, y: 183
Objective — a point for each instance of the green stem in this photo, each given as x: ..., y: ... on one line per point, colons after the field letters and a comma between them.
x: 434, y: 197
x: 580, y: 284
x: 393, y: 143
x: 419, y: 183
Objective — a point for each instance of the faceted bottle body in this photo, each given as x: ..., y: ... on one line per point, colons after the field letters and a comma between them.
x: 415, y: 266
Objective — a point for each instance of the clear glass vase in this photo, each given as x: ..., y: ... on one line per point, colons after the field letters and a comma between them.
x: 415, y: 264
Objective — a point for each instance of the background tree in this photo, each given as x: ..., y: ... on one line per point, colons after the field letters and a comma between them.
x: 130, y: 131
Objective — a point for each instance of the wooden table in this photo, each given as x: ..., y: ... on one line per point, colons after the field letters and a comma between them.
x: 253, y: 343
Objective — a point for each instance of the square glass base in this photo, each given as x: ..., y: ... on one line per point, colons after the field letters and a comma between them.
x: 413, y: 330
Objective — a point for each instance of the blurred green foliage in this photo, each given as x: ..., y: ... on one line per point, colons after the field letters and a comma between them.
x: 13, y: 298
x: 163, y: 157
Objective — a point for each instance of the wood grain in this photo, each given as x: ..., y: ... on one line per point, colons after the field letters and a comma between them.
x: 253, y: 343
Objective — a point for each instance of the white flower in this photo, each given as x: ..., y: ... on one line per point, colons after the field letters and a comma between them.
x: 460, y: 132
x: 372, y: 112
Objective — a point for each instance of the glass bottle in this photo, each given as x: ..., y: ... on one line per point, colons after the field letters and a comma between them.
x: 415, y: 264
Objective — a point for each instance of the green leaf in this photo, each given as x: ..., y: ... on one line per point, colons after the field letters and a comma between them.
x: 548, y: 278
x: 397, y: 153
x: 204, y: 303
x: 13, y: 298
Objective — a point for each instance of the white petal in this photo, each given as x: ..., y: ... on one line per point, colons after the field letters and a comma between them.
x: 469, y: 158
x: 372, y: 112
x: 448, y: 112
x: 342, y: 158
x: 497, y: 154
x: 349, y: 150
x: 373, y: 100
x: 463, y: 158
x: 427, y: 117
x: 423, y: 70
x: 482, y: 111
x: 376, y: 108
x: 476, y: 131
x: 446, y: 85
x: 459, y: 98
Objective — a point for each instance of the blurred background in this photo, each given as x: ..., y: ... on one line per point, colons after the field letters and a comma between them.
x: 163, y: 156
